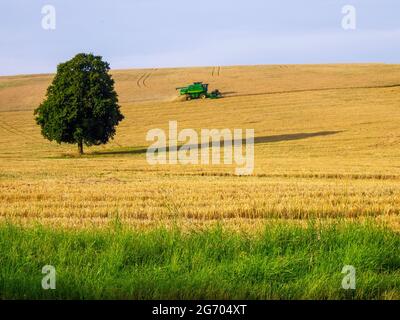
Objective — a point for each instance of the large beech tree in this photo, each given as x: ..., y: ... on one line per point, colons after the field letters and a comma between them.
x: 81, y: 105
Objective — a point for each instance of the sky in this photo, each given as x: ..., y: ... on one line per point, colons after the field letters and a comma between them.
x: 178, y: 33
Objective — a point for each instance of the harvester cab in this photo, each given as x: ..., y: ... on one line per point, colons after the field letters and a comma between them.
x: 198, y: 90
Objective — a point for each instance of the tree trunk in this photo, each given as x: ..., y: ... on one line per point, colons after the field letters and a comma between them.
x: 80, y: 147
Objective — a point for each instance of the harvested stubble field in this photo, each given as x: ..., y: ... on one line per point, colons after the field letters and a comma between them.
x: 327, y: 148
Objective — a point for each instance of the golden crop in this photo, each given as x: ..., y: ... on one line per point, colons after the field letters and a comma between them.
x: 327, y: 146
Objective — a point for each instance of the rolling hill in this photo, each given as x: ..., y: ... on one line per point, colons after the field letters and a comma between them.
x: 327, y: 146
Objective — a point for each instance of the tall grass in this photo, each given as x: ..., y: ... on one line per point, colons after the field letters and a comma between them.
x: 281, y: 262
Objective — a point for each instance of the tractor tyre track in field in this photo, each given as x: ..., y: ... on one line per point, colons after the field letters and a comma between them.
x: 141, y: 81
x: 15, y: 131
x: 215, y: 71
x: 145, y: 78
x: 312, y: 90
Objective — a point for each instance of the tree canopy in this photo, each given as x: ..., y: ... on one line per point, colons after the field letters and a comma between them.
x: 81, y: 105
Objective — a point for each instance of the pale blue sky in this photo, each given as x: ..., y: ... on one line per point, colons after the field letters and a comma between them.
x: 161, y: 33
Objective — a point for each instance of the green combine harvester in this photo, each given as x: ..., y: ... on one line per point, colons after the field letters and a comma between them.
x: 198, y: 90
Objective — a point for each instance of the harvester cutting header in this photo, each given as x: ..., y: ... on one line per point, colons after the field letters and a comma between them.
x: 198, y: 90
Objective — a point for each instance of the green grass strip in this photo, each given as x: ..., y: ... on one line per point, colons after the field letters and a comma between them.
x: 282, y: 262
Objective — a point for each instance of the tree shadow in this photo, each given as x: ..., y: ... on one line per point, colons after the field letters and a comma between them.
x: 257, y: 140
x: 293, y: 136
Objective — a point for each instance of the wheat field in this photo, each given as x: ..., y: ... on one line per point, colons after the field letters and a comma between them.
x: 327, y: 146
